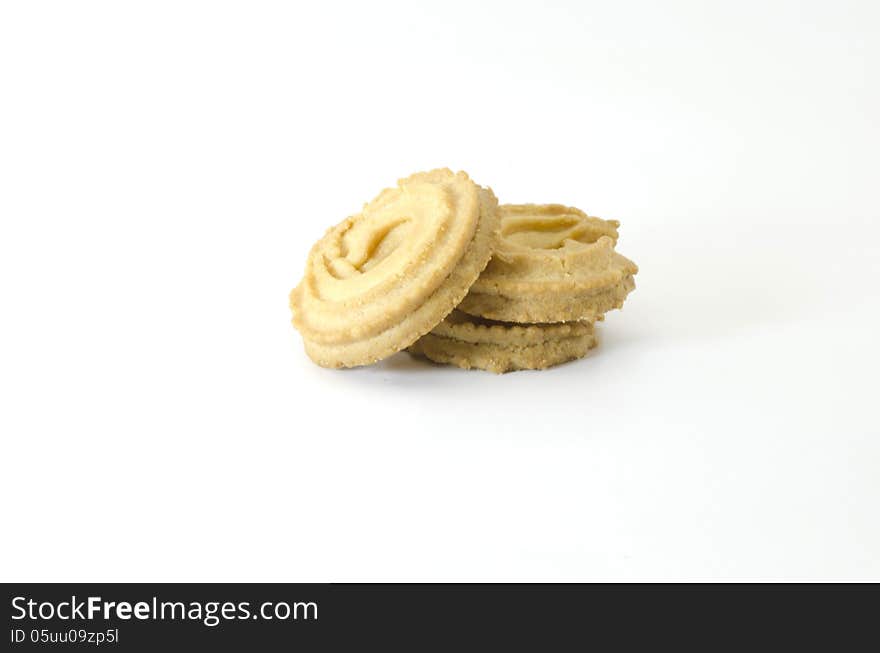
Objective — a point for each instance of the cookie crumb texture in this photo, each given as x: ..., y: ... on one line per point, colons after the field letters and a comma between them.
x: 475, y: 343
x: 553, y: 263
x: 380, y: 279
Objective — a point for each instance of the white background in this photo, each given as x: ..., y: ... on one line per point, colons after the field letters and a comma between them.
x: 165, y: 167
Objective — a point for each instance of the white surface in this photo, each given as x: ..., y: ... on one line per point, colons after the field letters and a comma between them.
x: 166, y: 166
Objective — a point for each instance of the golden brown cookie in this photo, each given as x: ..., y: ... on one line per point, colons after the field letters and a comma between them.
x: 472, y: 342
x: 382, y: 278
x: 552, y: 264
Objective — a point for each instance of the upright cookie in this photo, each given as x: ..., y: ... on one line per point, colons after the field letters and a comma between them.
x: 472, y: 342
x: 552, y: 264
x: 382, y: 278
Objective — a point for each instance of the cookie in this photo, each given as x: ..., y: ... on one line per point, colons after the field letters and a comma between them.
x: 471, y: 342
x: 380, y: 279
x: 552, y: 264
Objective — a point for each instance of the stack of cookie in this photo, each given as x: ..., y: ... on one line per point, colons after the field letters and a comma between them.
x: 554, y: 272
x: 435, y: 266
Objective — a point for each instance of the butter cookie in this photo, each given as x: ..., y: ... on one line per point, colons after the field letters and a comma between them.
x: 380, y: 279
x: 472, y: 342
x: 552, y: 264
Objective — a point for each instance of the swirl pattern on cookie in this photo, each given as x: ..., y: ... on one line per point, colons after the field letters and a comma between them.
x: 382, y: 278
x: 553, y: 263
x: 475, y: 343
